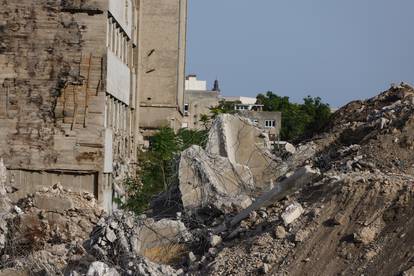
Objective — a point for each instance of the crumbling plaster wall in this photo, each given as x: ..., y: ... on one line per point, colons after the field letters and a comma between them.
x: 52, y: 89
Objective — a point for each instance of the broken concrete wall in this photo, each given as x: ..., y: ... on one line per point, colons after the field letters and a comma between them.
x: 213, y: 181
x: 243, y: 143
x: 52, y: 90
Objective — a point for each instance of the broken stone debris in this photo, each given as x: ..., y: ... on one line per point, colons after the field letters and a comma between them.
x: 236, y: 138
x: 143, y: 238
x: 116, y: 241
x: 280, y: 232
x: 207, y: 180
x: 52, y: 203
x: 101, y: 269
x: 215, y: 240
x: 301, y: 235
x: 366, y: 171
x: 292, y: 213
x: 288, y: 186
x: 43, y: 237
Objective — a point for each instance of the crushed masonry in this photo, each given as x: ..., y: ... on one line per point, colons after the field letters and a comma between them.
x: 342, y: 203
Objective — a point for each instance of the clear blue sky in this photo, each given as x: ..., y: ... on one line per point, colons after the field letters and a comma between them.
x: 339, y: 50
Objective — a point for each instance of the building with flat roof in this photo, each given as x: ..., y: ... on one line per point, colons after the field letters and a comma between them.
x: 240, y: 99
x: 162, y: 44
x: 247, y: 107
x: 193, y: 84
x: 197, y: 101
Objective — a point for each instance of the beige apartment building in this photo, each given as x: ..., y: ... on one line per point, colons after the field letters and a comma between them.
x: 73, y: 75
x: 162, y: 44
x: 197, y: 102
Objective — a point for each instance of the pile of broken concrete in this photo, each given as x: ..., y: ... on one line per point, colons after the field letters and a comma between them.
x: 337, y: 204
x: 236, y: 165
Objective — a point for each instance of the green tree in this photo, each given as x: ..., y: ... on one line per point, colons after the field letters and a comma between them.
x: 298, y: 120
x: 158, y: 166
x: 188, y: 137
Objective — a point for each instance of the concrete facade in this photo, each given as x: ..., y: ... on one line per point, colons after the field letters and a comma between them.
x: 269, y: 121
x: 68, y: 95
x: 198, y: 101
x: 162, y: 44
x: 197, y: 104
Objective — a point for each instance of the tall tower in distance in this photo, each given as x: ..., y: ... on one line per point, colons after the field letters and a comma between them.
x: 216, y: 86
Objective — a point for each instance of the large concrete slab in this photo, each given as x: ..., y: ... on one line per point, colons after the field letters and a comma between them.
x: 237, y: 139
x: 207, y: 180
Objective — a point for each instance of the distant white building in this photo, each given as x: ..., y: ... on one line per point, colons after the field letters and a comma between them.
x: 193, y: 84
x: 243, y: 100
x: 198, y: 100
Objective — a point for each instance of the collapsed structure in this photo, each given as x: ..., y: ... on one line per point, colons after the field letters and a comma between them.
x: 340, y: 204
x: 73, y: 77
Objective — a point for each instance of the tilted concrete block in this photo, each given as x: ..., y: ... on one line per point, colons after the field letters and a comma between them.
x: 207, y: 180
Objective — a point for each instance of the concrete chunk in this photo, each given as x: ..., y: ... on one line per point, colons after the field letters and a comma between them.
x: 292, y: 213
x: 207, y: 180
x: 53, y: 203
x: 161, y: 234
x: 288, y: 186
x: 239, y: 140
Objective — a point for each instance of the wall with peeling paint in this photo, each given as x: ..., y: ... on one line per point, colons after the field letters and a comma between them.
x: 53, y: 96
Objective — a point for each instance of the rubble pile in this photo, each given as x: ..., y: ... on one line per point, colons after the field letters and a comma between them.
x: 129, y: 243
x: 236, y: 165
x: 356, y: 219
x: 339, y: 204
x: 373, y: 134
x: 46, y: 230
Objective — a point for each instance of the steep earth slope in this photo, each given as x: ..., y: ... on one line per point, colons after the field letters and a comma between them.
x: 358, y: 218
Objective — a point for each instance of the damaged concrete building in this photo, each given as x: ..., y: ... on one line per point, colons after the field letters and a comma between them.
x: 68, y: 94
x: 162, y: 44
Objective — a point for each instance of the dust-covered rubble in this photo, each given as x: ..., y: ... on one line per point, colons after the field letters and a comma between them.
x: 213, y: 181
x: 341, y: 203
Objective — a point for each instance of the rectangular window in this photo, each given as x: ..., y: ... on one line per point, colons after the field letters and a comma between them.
x: 270, y: 123
x: 186, y: 110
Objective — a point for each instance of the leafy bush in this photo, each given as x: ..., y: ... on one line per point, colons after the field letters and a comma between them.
x: 158, y: 166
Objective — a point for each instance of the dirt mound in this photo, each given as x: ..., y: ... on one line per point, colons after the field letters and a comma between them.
x: 377, y: 133
x: 359, y: 224
x: 358, y: 217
